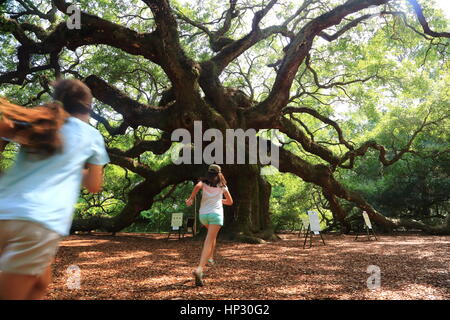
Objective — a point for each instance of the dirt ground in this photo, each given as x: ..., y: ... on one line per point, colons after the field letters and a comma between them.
x: 146, y: 266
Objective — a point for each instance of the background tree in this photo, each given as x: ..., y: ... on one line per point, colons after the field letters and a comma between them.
x: 289, y: 67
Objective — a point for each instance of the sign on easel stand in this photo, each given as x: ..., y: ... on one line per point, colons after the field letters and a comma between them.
x: 314, y: 222
x: 176, y: 223
x: 367, y: 220
x: 313, y: 228
x: 177, y: 220
x: 367, y: 226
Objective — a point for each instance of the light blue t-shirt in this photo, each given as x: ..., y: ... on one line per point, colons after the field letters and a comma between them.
x: 45, y: 191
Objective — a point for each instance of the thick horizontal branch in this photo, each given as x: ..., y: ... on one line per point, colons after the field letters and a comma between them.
x: 40, y: 33
x: 130, y: 164
x: 133, y: 112
x: 16, y: 29
x: 113, y: 131
x: 157, y: 147
x: 95, y: 30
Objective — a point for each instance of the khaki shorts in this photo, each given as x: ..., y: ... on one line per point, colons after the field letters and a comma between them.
x: 26, y: 247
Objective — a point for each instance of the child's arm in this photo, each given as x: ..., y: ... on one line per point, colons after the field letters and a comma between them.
x: 197, y: 188
x: 228, y: 201
x: 93, y: 177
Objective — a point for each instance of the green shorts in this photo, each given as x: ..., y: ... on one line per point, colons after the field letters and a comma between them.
x: 211, y: 218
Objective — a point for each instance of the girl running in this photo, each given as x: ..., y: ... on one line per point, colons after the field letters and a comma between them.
x: 38, y: 193
x: 214, y: 187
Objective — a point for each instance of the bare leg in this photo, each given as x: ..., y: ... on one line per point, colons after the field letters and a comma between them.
x: 40, y: 287
x: 211, y: 257
x: 209, y: 244
x: 16, y: 286
x: 213, y: 249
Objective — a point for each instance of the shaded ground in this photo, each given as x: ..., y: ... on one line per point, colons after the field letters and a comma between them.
x: 138, y: 266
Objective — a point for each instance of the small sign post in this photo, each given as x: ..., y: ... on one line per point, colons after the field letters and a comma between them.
x: 176, y: 224
x: 177, y: 220
x: 313, y: 228
x: 368, y: 227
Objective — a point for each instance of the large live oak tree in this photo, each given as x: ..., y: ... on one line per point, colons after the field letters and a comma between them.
x: 197, y: 93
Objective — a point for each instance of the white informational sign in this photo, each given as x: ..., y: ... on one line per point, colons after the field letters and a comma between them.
x: 367, y: 220
x: 177, y: 220
x: 314, y: 221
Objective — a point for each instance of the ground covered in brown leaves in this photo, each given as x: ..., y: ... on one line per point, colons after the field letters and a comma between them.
x: 141, y: 266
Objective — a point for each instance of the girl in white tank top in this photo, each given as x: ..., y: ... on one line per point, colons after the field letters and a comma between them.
x: 213, y: 188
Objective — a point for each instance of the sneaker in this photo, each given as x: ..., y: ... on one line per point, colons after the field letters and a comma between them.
x: 198, y: 278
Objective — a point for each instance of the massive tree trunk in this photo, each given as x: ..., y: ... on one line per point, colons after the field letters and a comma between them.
x: 249, y: 217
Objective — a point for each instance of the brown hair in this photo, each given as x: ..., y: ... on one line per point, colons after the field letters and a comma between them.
x: 215, y: 179
x: 36, y: 129
x: 75, y: 96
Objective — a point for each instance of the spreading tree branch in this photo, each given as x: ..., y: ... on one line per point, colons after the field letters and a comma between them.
x: 317, y: 115
x: 423, y: 22
x: 133, y: 112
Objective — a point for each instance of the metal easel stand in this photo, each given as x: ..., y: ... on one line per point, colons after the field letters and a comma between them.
x: 310, y: 234
x: 179, y: 231
x: 369, y: 236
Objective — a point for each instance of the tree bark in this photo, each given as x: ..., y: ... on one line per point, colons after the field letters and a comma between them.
x: 248, y: 219
x: 338, y: 212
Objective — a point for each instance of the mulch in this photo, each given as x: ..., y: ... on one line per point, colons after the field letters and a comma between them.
x: 147, y: 266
